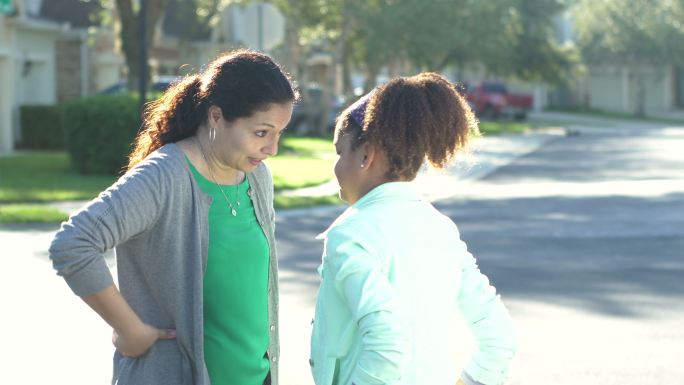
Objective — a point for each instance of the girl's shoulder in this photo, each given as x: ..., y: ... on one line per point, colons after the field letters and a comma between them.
x: 353, y: 226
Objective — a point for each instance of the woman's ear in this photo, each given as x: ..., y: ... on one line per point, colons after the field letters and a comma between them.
x: 214, y: 115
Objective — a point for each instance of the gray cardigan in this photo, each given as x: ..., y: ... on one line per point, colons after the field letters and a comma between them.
x: 156, y: 217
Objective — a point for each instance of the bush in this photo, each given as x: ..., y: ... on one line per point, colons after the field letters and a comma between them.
x: 100, y: 131
x: 41, y: 128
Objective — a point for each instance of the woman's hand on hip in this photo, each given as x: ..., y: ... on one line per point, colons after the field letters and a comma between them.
x: 132, y: 337
x: 138, y: 341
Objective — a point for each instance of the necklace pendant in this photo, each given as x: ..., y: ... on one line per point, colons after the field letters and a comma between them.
x: 233, y: 211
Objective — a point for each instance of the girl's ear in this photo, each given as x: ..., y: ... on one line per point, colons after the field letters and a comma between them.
x: 371, y: 156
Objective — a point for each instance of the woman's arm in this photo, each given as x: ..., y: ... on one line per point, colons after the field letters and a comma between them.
x: 125, y: 209
x: 131, y: 337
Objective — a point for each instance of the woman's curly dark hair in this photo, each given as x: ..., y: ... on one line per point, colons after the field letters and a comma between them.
x: 239, y: 82
x: 414, y: 119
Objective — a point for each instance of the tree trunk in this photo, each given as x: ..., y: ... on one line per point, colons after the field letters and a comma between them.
x: 372, y: 71
x: 293, y: 51
x: 640, y: 106
x: 347, y: 86
x: 129, y: 33
x: 344, y: 61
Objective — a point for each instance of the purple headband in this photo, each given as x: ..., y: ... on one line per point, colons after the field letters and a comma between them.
x: 358, y: 109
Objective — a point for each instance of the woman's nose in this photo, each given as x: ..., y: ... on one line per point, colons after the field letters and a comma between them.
x: 272, y: 148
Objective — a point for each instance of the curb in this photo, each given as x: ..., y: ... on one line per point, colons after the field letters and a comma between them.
x: 488, y: 154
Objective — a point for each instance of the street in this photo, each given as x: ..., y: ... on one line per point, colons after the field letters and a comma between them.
x: 583, y: 238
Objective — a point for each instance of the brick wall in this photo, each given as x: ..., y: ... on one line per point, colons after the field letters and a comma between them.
x: 68, y: 70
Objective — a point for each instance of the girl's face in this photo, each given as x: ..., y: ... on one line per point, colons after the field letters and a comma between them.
x: 245, y: 142
x: 348, y: 168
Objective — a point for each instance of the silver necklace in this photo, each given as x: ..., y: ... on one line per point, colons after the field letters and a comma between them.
x: 237, y: 176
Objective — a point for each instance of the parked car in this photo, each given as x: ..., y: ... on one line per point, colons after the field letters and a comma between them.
x: 306, y: 115
x: 159, y: 84
x: 492, y: 100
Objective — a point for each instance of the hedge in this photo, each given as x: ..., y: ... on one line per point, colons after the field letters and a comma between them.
x: 41, y: 127
x: 100, y: 131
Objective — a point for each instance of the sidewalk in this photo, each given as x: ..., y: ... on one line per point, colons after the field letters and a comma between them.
x: 577, y: 119
x: 487, y: 154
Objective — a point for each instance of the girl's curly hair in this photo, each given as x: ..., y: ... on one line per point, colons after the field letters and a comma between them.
x: 414, y: 119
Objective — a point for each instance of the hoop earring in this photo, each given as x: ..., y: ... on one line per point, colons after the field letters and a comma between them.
x: 212, y: 133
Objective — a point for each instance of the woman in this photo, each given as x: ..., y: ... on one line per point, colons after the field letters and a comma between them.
x: 192, y: 222
x: 394, y: 268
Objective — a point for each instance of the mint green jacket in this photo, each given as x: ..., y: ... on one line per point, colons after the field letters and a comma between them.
x: 394, y: 270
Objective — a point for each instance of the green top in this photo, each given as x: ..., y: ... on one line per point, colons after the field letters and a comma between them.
x: 236, y: 332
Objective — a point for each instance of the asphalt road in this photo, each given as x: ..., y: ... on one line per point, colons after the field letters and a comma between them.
x: 583, y: 238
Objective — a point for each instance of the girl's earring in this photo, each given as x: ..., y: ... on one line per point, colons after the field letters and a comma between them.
x: 362, y: 165
x: 212, y: 133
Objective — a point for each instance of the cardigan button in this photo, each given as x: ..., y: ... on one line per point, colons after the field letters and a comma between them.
x: 272, y: 328
x: 311, y: 362
x: 274, y: 359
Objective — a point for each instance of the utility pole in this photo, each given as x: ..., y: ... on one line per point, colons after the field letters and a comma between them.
x: 142, y: 35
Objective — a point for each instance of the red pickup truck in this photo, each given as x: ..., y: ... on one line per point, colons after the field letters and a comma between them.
x: 492, y: 100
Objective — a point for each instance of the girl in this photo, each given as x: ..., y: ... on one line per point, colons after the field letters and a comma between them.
x: 394, y: 267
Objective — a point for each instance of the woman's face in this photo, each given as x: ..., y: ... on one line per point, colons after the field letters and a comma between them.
x: 245, y: 142
x: 348, y: 168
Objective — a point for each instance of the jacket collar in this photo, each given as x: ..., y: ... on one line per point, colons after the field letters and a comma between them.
x: 390, y: 191
x: 397, y: 191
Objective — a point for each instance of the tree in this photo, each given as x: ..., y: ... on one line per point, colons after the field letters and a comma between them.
x: 198, y: 16
x: 533, y: 53
x: 506, y: 37
x: 129, y: 32
x: 631, y: 33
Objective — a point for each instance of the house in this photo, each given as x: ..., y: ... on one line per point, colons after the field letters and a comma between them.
x: 27, y: 65
x: 46, y: 58
x: 57, y: 50
x: 619, y: 87
x: 54, y: 51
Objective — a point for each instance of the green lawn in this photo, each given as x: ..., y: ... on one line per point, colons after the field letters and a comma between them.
x: 617, y: 115
x: 489, y: 127
x: 31, y: 178
x: 27, y: 213
x: 302, y: 162
x: 47, y: 176
x: 286, y: 202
